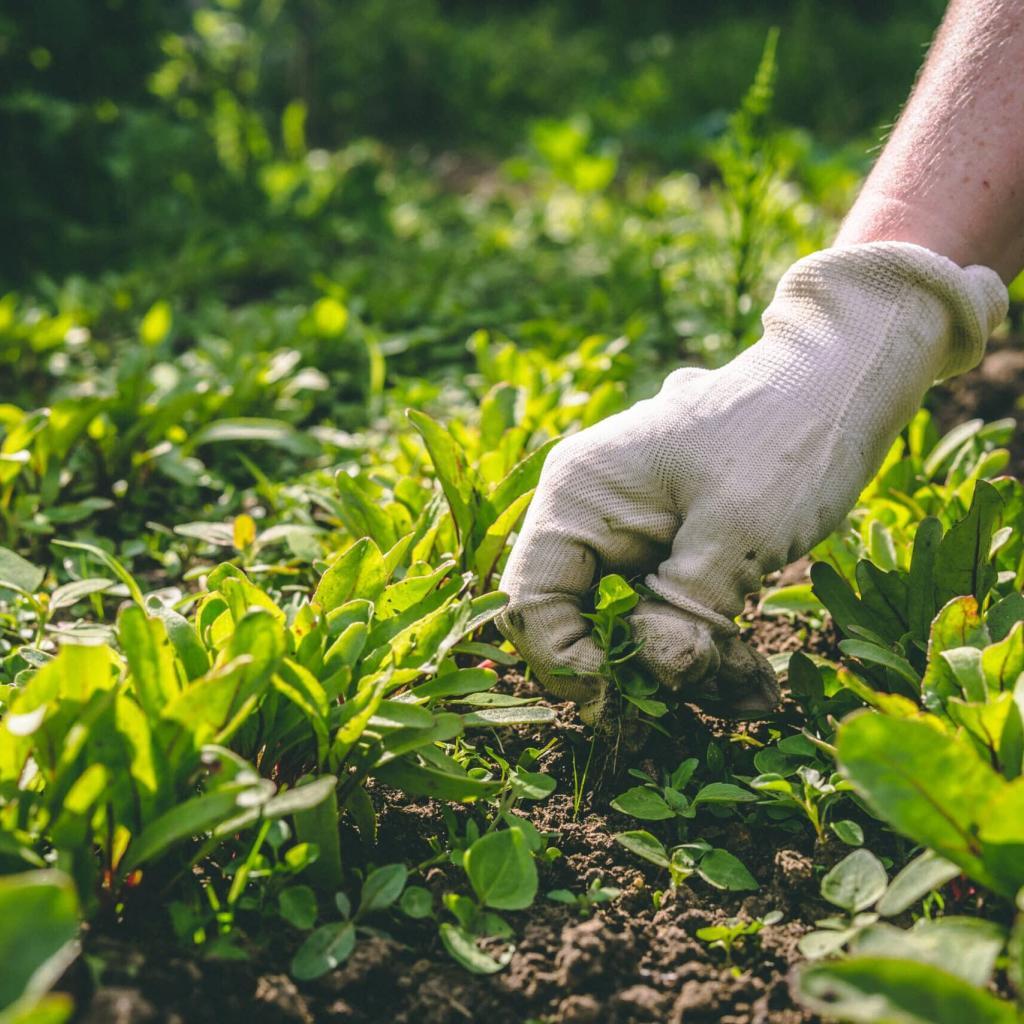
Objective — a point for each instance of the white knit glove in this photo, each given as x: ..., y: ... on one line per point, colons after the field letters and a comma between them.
x: 728, y: 474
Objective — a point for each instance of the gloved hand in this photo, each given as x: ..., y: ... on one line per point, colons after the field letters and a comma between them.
x: 728, y: 474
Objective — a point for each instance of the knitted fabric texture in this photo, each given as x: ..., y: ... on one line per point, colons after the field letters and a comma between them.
x: 728, y: 474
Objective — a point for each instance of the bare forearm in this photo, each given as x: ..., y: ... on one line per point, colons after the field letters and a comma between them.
x: 951, y: 177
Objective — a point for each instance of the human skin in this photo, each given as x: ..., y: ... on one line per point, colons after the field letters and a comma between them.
x: 951, y: 176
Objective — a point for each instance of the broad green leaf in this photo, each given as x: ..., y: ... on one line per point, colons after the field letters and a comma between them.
x: 922, y: 875
x: 17, y: 571
x: 723, y: 793
x: 110, y: 562
x: 501, y: 870
x: 644, y: 803
x: 325, y: 949
x: 503, y: 717
x: 873, y: 654
x: 856, y: 882
x: 962, y: 560
x: 358, y: 573
x: 417, y: 902
x: 877, y: 990
x: 459, y: 683
x: 964, y: 946
x: 921, y: 582
x: 456, y: 475
x: 318, y: 824
x: 194, y: 817
x: 643, y: 844
x: 797, y: 599
x: 150, y: 658
x: 848, y: 832
x: 724, y: 871
x: 70, y: 594
x: 1004, y: 615
x: 297, y: 905
x: 531, y: 785
x: 38, y: 925
x: 462, y: 947
x: 926, y: 783
x: 382, y: 887
x: 423, y: 780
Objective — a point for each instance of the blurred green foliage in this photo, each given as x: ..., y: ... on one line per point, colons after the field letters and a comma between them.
x: 126, y: 124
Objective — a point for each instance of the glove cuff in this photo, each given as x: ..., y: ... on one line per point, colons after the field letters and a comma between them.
x: 971, y: 301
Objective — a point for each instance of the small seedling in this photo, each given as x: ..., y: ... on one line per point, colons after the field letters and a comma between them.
x: 585, y: 902
x: 725, y: 936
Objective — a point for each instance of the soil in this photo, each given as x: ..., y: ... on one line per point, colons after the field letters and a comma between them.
x: 629, y: 963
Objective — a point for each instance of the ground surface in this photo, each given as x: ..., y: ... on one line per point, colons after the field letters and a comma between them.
x: 627, y: 964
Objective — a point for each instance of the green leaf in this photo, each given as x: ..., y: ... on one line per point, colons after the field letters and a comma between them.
x: 150, y: 657
x: 358, y: 573
x: 318, y: 824
x: 873, y: 654
x: 926, y: 783
x: 723, y: 793
x: 797, y: 599
x: 848, y: 832
x: 921, y: 582
x: 423, y: 780
x: 68, y: 595
x: 459, y: 683
x: 501, y: 870
x: 327, y: 948
x: 924, y: 874
x: 38, y: 925
x: 503, y: 717
x: 108, y: 560
x: 382, y: 887
x: 417, y: 902
x: 876, y: 990
x: 17, y: 571
x: 962, y: 561
x: 724, y: 871
x: 643, y: 844
x: 462, y: 947
x: 856, y: 882
x: 196, y: 816
x: 531, y: 785
x: 297, y: 905
x: 275, y: 433
x: 456, y: 475
x: 644, y: 803
x: 964, y: 946
x: 1004, y: 615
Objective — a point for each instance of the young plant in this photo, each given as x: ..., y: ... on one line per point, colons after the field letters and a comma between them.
x: 719, y: 868
x: 613, y: 634
x: 332, y: 944
x: 585, y: 902
x: 859, y: 883
x: 725, y: 936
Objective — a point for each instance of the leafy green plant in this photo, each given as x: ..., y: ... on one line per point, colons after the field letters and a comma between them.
x: 653, y: 801
x: 719, y: 868
x: 331, y: 944
x: 859, y: 883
